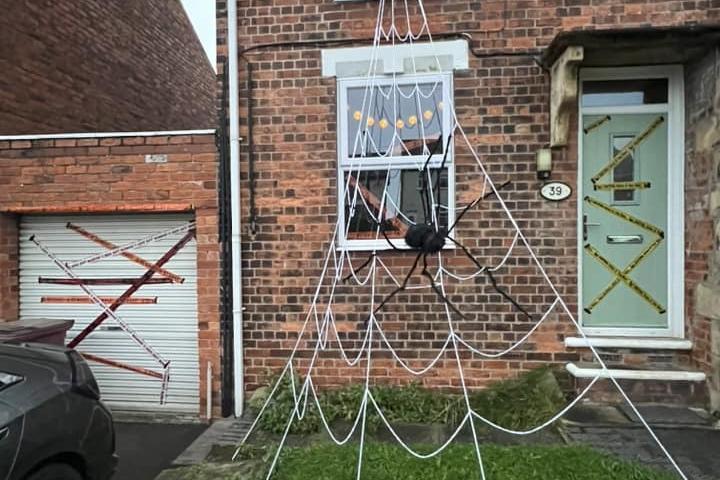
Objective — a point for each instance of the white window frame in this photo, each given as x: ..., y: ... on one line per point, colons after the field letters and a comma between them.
x: 675, y: 110
x: 403, y: 162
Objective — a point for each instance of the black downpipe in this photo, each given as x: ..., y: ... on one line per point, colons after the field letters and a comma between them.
x: 251, y: 147
x: 225, y: 209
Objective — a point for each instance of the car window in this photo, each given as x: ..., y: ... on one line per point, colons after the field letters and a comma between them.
x: 7, y: 379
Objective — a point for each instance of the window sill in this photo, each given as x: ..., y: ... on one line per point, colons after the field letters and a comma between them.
x: 380, y: 246
x: 634, y: 343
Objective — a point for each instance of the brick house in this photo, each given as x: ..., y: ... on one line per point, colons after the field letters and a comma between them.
x: 580, y: 81
x: 107, y: 136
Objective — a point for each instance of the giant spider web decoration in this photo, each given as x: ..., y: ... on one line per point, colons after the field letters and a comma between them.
x: 319, y: 325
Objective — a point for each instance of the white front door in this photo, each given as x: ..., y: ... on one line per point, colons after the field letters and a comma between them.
x: 631, y: 237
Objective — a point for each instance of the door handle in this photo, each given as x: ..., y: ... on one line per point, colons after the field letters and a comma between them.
x: 587, y: 224
x: 4, y: 433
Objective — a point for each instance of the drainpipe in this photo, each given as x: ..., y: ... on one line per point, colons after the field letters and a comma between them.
x: 235, y: 248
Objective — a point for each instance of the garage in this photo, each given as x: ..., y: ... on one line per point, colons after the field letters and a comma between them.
x: 108, y: 254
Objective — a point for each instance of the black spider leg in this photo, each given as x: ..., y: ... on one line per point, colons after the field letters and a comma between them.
x: 474, y: 203
x: 487, y: 272
x: 389, y: 242
x: 437, y: 183
x: 359, y: 269
x: 424, y: 194
x: 402, y: 286
x: 491, y: 277
x: 437, y: 289
x: 383, y: 230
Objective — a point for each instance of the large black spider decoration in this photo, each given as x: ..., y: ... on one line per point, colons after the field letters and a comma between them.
x: 429, y: 238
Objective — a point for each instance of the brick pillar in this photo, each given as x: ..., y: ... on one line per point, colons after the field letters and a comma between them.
x: 707, y: 297
x: 9, y: 266
x: 208, y: 275
x: 707, y: 294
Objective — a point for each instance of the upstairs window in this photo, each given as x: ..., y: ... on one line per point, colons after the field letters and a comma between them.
x: 387, y: 129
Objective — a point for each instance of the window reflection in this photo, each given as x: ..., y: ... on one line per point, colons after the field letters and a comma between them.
x: 625, y: 171
x: 607, y: 93
x: 406, y: 201
x: 394, y: 120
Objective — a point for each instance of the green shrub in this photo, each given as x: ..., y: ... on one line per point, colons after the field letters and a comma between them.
x: 519, y: 403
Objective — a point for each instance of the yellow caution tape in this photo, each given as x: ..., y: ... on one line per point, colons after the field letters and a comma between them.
x: 622, y: 186
x: 593, y: 252
x: 631, y: 266
x: 628, y: 149
x: 596, y: 124
x: 626, y: 216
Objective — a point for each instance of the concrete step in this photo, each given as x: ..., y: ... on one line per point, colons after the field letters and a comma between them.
x: 593, y: 370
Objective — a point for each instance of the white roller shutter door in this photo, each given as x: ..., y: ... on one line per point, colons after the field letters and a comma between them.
x: 169, y: 325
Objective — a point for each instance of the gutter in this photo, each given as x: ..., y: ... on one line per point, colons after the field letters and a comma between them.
x: 235, y: 206
x: 87, y: 135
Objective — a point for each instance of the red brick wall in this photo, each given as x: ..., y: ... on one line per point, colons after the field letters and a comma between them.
x: 109, y: 175
x: 9, y: 253
x: 503, y: 105
x: 101, y: 66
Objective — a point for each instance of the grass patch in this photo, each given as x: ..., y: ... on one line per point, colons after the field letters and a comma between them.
x: 390, y: 462
x: 519, y: 403
x: 458, y: 462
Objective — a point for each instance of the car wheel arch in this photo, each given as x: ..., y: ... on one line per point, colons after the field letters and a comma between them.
x: 74, y: 460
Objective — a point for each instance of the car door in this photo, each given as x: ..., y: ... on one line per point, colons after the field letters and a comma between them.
x: 11, y: 432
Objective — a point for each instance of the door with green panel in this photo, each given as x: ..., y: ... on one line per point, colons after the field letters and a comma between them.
x: 624, y: 213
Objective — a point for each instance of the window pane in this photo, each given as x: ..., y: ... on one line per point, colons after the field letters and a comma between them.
x: 609, y: 93
x: 625, y: 171
x: 393, y: 120
x: 406, y: 201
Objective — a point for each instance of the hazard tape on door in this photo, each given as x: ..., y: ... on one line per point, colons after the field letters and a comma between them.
x: 596, y: 124
x: 623, y: 276
x: 619, y: 157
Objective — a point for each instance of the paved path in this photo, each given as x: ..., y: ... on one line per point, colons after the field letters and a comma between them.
x: 696, y: 451
x: 225, y: 432
x: 693, y: 442
x: 145, y: 449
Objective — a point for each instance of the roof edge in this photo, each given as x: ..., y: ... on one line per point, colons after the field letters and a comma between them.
x: 60, y: 136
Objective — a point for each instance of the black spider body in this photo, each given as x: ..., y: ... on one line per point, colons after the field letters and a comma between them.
x: 424, y: 238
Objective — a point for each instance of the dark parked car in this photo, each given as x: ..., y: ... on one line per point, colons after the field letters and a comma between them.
x: 52, y: 423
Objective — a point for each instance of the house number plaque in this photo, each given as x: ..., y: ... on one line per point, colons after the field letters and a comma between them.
x: 556, y: 191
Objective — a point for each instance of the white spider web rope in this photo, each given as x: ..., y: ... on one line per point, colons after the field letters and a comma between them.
x: 524, y: 240
x: 301, y: 397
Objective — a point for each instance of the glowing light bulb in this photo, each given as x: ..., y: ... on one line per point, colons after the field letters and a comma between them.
x: 357, y: 115
x: 412, y: 121
x: 370, y: 121
x: 384, y: 123
x: 428, y: 115
x: 400, y: 124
